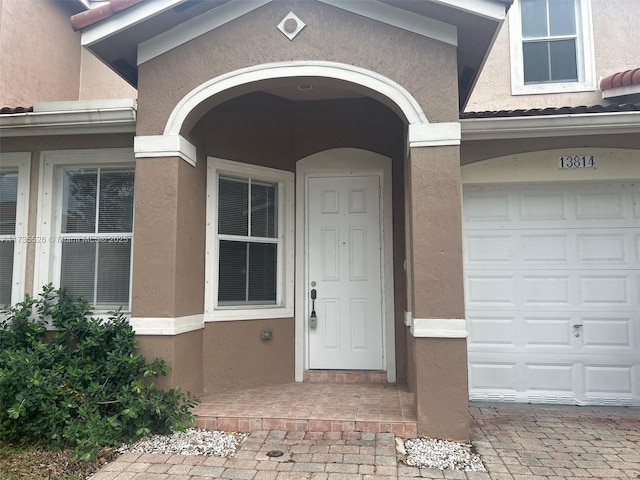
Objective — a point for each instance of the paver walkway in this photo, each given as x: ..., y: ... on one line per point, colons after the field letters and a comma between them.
x: 515, y: 442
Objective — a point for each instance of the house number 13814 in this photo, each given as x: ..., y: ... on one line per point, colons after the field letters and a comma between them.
x: 578, y: 161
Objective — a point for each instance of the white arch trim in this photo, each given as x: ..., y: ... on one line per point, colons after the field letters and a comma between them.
x: 340, y: 71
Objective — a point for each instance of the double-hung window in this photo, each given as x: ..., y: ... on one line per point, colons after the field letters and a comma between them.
x: 86, y: 211
x: 249, y: 241
x: 14, y: 198
x: 551, y: 46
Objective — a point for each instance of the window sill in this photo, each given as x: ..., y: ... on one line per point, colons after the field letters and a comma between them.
x: 248, y: 314
x: 549, y: 88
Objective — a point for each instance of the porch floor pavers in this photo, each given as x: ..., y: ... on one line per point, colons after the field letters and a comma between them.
x: 307, y: 406
x: 520, y: 442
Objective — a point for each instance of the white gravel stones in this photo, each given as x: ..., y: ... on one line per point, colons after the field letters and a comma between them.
x: 192, y: 441
x: 442, y: 454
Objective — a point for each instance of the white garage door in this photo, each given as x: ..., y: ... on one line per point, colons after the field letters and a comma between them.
x: 552, y: 286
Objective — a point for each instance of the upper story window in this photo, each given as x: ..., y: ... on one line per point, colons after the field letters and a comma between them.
x: 85, y: 215
x: 551, y: 46
x: 14, y: 198
x: 249, y: 264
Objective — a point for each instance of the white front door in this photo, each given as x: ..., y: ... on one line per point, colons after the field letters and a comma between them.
x: 344, y: 267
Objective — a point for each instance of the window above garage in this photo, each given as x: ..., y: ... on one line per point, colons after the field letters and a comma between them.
x: 551, y: 46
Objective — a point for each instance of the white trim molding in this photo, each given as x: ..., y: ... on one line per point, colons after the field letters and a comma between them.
x: 439, y: 328
x: 491, y: 9
x: 550, y: 125
x: 621, y: 91
x: 283, y: 308
x: 408, y: 318
x: 20, y: 161
x: 166, y: 325
x: 434, y: 134
x: 47, y: 246
x: 183, y: 33
x: 399, y: 18
x: 156, y: 146
x: 344, y: 161
x: 125, y: 19
x: 584, y: 55
x: 377, y: 84
x: 72, y: 118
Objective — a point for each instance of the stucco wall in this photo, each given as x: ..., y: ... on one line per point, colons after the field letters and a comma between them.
x: 616, y: 39
x: 428, y: 69
x: 236, y: 357
x: 474, y: 151
x: 97, y: 81
x: 40, y: 58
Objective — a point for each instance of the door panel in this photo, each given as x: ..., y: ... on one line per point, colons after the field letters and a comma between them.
x: 344, y: 251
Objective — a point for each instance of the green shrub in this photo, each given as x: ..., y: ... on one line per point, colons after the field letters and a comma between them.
x: 83, y: 385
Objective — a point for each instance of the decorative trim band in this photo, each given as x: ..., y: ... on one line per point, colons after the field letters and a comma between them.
x: 434, y: 134
x: 408, y: 318
x: 439, y: 328
x: 166, y: 326
x: 154, y: 146
x: 397, y: 17
x: 181, y: 34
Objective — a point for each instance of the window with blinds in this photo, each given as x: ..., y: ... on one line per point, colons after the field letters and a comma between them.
x: 96, y: 234
x: 8, y: 207
x: 248, y: 241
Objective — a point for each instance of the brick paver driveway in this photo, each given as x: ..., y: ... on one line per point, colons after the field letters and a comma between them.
x: 516, y: 443
x: 554, y: 442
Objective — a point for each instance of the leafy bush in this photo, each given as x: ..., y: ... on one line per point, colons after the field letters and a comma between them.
x: 82, y: 385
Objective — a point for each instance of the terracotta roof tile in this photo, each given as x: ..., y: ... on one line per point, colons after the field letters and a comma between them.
x: 621, y: 79
x: 533, y: 112
x: 90, y: 17
x: 12, y: 110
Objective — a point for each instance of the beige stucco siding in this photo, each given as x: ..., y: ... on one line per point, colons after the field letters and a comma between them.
x: 616, y: 37
x: 40, y: 53
x: 427, y: 70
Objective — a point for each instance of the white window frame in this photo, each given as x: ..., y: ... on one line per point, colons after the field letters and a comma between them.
x: 20, y: 161
x: 283, y: 307
x: 585, y: 55
x: 48, y: 260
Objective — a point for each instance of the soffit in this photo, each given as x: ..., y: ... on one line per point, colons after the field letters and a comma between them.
x: 476, y: 31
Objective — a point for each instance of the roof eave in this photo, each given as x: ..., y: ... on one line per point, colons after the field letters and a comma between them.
x: 79, y: 118
x: 607, y: 123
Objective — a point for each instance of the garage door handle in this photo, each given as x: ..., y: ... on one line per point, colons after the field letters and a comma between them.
x: 576, y: 327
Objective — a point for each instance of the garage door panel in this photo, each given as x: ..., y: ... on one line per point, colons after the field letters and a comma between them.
x: 600, y: 206
x: 491, y: 290
x: 545, y: 290
x: 605, y: 289
x: 603, y: 380
x: 552, y: 277
x: 537, y: 206
x: 545, y: 333
x: 493, y: 331
x: 544, y: 250
x: 489, y: 249
x: 609, y: 332
x: 601, y: 248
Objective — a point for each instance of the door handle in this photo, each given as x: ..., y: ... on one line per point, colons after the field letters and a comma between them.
x: 313, y: 318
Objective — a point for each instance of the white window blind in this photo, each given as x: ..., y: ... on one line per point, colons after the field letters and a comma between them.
x: 8, y: 207
x: 96, y: 233
x: 248, y: 241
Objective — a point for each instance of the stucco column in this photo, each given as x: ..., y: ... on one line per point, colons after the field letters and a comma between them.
x: 438, y: 328
x: 168, y: 265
